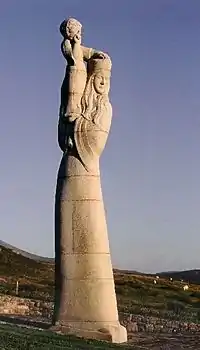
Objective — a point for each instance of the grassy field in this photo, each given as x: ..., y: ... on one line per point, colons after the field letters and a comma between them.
x: 135, y: 293
x: 138, y: 294
x: 17, y: 338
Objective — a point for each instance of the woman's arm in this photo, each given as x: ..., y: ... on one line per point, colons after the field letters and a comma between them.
x: 89, y: 53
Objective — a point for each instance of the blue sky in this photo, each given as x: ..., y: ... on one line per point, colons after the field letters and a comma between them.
x: 151, y: 165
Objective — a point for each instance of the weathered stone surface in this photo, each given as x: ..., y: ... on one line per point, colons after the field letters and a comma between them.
x: 85, y: 299
x: 10, y: 305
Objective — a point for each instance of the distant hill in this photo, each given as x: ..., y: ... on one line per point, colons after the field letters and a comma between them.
x: 26, y: 254
x: 188, y: 276
x: 16, y: 265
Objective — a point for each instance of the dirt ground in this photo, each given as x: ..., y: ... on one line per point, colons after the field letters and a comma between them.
x: 162, y: 341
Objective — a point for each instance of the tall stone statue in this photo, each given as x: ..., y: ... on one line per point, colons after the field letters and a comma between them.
x: 85, y: 299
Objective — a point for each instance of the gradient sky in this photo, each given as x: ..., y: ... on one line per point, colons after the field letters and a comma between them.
x: 151, y: 165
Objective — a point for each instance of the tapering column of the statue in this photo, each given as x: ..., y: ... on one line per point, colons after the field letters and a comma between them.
x: 85, y: 299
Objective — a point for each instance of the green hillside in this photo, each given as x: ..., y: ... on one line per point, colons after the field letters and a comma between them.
x: 36, y: 279
x: 135, y: 293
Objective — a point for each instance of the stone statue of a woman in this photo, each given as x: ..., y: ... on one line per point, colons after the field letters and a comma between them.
x: 85, y: 300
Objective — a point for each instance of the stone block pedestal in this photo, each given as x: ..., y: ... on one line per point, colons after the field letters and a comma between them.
x: 114, y: 333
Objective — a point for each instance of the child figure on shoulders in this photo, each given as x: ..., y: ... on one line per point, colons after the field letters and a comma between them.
x: 76, y: 72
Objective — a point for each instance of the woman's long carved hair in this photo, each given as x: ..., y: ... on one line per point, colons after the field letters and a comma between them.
x: 93, y: 104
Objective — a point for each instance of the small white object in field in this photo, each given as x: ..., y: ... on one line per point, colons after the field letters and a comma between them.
x: 154, y: 281
x: 17, y: 287
x: 157, y: 277
x: 171, y: 279
x: 186, y: 287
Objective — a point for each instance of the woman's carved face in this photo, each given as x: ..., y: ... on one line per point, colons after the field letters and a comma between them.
x: 101, y: 83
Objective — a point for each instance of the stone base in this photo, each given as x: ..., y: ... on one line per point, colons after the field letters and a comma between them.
x: 114, y: 334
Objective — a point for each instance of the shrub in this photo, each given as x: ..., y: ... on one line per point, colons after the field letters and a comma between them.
x: 175, y: 306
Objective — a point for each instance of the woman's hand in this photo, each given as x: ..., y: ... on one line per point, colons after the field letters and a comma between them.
x: 101, y: 54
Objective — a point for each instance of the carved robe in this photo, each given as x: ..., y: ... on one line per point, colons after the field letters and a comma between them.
x: 84, y: 276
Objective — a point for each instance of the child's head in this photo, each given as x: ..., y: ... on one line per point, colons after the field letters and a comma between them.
x: 71, y: 28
